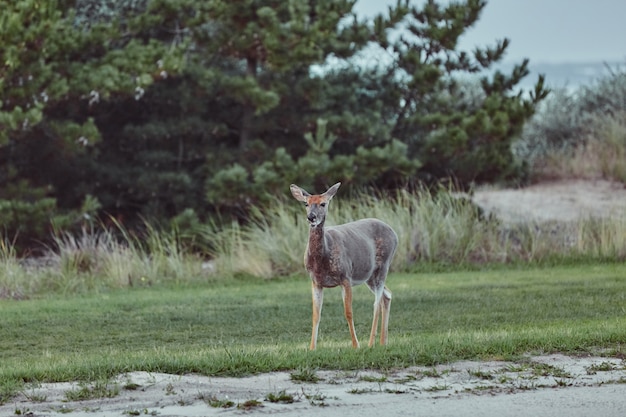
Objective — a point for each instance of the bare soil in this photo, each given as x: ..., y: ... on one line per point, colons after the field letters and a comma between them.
x: 553, y: 385
x: 566, y: 200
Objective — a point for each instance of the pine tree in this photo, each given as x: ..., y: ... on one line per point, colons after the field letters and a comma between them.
x: 177, y: 109
x: 266, y: 42
x: 459, y: 129
x: 54, y: 72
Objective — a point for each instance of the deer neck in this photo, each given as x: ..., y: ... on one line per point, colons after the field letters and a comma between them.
x: 317, y: 248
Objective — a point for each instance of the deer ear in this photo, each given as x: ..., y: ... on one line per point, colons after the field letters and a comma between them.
x: 332, y: 191
x: 298, y: 193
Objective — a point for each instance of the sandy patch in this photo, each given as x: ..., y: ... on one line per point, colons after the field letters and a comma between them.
x: 545, y: 385
x: 561, y: 200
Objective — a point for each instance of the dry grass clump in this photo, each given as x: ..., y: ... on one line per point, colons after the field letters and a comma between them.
x: 580, y: 134
x: 12, y: 275
x: 602, y: 155
x: 439, y: 228
x: 430, y: 227
x: 98, y: 259
x: 434, y: 229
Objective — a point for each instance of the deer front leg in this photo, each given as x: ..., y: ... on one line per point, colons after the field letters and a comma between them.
x: 346, y: 292
x: 318, y: 300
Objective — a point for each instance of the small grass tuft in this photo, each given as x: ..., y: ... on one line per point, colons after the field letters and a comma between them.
x: 9, y: 388
x: 542, y: 369
x: 369, y: 378
x: 436, y: 388
x: 432, y: 373
x: 99, y: 389
x: 305, y: 375
x: 486, y: 376
x: 131, y: 386
x: 213, y: 401
x: 602, y: 367
x: 35, y: 398
x: 249, y: 405
x: 317, y: 399
x: 281, y: 397
x: 359, y: 391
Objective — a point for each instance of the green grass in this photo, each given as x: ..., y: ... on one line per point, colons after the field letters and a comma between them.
x: 241, y: 327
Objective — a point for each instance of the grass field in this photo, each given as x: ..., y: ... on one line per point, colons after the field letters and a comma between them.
x: 241, y: 327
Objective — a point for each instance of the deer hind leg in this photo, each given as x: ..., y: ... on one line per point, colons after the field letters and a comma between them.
x: 382, y: 304
x: 378, y: 296
x: 346, y: 292
x: 374, y: 323
x: 386, y: 306
x: 318, y: 299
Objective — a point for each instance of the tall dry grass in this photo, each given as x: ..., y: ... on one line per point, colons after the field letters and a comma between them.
x: 440, y: 228
x: 602, y: 155
x: 99, y: 259
x: 12, y: 275
x: 579, y: 134
x: 433, y: 228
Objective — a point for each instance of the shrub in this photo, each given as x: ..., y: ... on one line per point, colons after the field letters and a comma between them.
x: 579, y: 134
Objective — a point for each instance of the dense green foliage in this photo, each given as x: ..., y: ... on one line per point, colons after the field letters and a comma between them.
x: 53, y: 75
x: 181, y: 110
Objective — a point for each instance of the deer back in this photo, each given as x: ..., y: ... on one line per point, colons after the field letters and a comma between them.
x: 353, y: 251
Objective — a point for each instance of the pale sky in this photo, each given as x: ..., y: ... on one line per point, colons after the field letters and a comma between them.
x: 545, y: 31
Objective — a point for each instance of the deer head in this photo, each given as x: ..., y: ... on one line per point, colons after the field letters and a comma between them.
x: 316, y: 205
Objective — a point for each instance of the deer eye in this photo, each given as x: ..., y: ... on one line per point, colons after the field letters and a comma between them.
x: 323, y: 204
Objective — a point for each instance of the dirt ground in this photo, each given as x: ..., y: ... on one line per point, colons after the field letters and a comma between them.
x: 554, y: 385
x: 560, y: 200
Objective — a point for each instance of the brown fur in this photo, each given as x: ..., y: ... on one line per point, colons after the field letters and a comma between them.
x: 347, y: 255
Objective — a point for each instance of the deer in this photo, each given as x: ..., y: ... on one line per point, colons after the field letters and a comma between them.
x: 344, y: 256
